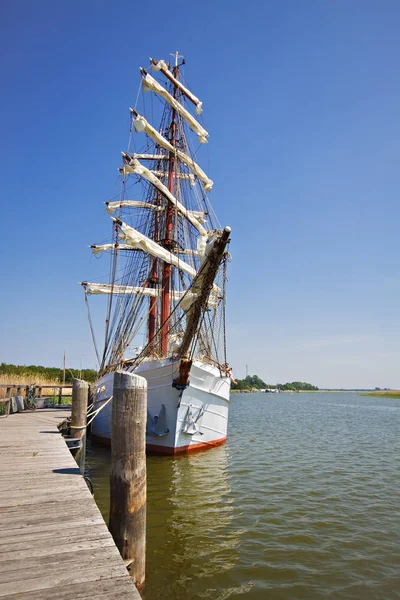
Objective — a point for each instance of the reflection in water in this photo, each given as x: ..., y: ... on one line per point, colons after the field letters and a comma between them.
x: 189, y: 516
x: 302, y: 502
x: 189, y: 524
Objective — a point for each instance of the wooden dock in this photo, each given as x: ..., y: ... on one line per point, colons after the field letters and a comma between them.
x: 54, y: 542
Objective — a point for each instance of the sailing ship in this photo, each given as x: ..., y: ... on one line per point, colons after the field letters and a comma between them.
x: 167, y: 284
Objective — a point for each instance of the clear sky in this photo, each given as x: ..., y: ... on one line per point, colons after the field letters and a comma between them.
x: 302, y: 102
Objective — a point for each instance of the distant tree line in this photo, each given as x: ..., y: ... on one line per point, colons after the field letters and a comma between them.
x: 52, y: 374
x: 252, y: 382
x: 297, y: 385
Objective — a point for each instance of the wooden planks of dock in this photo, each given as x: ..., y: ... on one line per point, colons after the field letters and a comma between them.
x: 53, y: 540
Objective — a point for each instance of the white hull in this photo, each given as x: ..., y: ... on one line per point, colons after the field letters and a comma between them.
x: 193, y: 419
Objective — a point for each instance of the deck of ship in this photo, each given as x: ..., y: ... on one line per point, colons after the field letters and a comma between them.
x: 53, y: 540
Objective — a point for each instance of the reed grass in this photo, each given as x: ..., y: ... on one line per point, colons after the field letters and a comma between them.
x: 28, y: 379
x: 384, y: 394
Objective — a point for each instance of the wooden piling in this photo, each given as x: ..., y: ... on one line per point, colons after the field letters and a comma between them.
x: 60, y: 395
x: 128, y: 471
x: 80, y: 393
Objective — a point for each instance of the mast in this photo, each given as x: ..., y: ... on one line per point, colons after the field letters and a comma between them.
x: 153, y: 282
x: 168, y: 241
x: 180, y: 306
x: 210, y: 268
x: 152, y: 321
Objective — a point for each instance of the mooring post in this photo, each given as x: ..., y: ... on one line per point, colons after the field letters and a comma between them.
x: 128, y: 471
x: 60, y: 395
x: 78, y: 418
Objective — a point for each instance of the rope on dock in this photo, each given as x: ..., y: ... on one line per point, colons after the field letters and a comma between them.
x: 93, y: 414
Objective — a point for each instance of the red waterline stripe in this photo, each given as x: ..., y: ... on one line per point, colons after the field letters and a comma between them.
x: 154, y: 449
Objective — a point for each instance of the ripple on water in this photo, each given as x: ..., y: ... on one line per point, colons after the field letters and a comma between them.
x: 302, y: 502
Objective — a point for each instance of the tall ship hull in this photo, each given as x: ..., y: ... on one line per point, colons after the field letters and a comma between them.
x: 166, y: 290
x: 178, y: 421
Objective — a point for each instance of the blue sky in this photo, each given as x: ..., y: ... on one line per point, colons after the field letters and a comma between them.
x: 302, y: 101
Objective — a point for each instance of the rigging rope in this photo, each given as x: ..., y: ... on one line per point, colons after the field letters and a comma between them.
x: 92, y: 331
x: 126, y: 316
x: 95, y: 413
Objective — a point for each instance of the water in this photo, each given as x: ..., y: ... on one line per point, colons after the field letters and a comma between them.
x: 302, y: 502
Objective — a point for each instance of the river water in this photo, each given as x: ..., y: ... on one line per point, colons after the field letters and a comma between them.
x: 302, y: 502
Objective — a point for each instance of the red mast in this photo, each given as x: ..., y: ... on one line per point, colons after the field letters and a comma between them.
x: 153, y: 283
x: 166, y: 278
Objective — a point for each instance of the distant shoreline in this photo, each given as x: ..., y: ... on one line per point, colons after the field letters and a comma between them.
x: 384, y: 394
x: 371, y: 393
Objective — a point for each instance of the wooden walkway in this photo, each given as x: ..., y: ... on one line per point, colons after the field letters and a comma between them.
x: 53, y: 540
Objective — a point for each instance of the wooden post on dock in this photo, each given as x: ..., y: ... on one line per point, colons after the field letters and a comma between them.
x: 80, y: 391
x: 79, y: 407
x: 60, y: 395
x: 128, y: 471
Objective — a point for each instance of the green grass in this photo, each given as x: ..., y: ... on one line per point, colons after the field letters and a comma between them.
x: 64, y: 399
x: 2, y: 408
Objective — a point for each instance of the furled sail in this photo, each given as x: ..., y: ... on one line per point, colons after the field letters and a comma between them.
x: 98, y: 249
x: 140, y: 124
x: 151, y: 156
x: 121, y: 290
x: 135, y: 167
x: 185, y: 176
x: 161, y: 66
x: 149, y: 83
x: 107, y: 288
x: 137, y: 240
x: 113, y: 206
x: 200, y: 215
